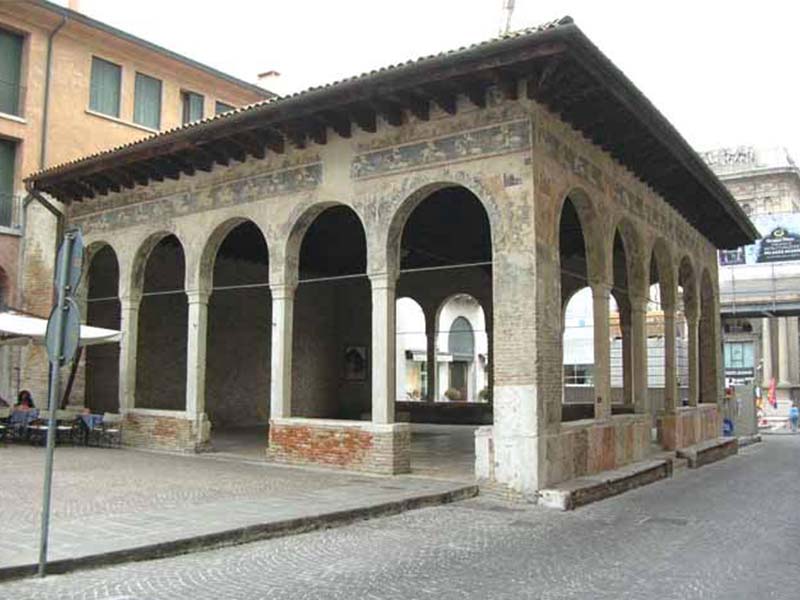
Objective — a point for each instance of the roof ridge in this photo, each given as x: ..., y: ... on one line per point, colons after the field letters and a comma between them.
x: 532, y: 30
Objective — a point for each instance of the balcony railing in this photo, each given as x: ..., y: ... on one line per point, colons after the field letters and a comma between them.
x: 12, y: 98
x: 10, y: 211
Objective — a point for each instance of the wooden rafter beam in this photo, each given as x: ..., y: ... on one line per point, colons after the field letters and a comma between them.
x: 251, y: 143
x: 417, y: 105
x: 476, y: 94
x: 366, y: 119
x: 391, y: 112
x: 340, y: 123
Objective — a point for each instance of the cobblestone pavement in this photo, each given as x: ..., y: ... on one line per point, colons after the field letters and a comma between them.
x: 107, y: 500
x: 729, y: 530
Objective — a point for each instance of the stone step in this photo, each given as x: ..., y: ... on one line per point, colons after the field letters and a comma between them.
x: 584, y: 490
x: 709, y: 451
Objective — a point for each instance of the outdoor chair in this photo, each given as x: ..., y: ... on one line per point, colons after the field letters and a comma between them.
x: 111, y: 430
x: 38, y: 429
x: 66, y: 426
x: 5, y: 413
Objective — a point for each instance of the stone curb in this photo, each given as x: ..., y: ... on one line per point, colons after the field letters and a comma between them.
x: 585, y: 490
x: 709, y: 451
x: 749, y: 440
x: 241, y: 535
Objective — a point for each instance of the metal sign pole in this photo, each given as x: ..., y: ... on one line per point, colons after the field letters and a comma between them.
x: 55, y: 391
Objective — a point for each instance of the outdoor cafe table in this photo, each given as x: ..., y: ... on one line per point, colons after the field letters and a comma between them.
x: 20, y: 419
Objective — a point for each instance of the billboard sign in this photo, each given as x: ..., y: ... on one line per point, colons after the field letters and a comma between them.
x: 780, y: 242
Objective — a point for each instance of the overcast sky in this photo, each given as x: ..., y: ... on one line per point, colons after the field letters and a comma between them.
x: 722, y: 72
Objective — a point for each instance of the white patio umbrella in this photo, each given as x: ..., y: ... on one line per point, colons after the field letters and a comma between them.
x: 19, y: 329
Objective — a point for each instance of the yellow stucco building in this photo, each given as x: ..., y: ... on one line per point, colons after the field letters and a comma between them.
x: 71, y: 86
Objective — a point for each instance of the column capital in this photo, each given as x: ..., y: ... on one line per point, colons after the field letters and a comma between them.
x: 197, y: 296
x: 600, y: 289
x: 282, y: 291
x: 382, y: 281
x: 131, y: 302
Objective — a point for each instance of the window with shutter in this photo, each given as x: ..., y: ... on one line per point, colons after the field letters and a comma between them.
x: 7, y: 160
x: 147, y: 101
x: 10, y: 75
x: 192, y: 107
x: 105, y: 87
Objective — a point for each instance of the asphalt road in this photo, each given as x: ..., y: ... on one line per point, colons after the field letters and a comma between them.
x: 729, y: 530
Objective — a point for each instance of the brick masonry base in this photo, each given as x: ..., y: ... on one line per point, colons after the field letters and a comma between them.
x: 689, y: 425
x: 577, y: 449
x: 352, y: 445
x: 164, y: 430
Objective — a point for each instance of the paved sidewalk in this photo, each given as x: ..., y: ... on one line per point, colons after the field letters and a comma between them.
x: 117, y: 505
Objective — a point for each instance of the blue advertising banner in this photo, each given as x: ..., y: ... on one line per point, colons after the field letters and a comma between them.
x: 780, y: 242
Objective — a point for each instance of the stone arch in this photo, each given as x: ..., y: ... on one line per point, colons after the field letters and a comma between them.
x: 204, y: 270
x: 161, y: 355
x: 636, y: 261
x: 660, y: 260
x: 411, y: 340
x: 287, y: 256
x: 234, y: 270
x: 687, y: 280
x: 103, y: 309
x: 591, y: 227
x: 144, y: 249
x: 471, y: 373
x: 404, y: 204
x: 332, y: 315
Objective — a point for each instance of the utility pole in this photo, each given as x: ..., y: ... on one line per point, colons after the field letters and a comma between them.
x: 508, y: 9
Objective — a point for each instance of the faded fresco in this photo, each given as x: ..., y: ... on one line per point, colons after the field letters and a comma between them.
x: 498, y: 139
x: 222, y: 195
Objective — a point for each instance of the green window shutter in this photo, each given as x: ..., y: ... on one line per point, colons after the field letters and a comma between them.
x: 105, y: 87
x: 221, y: 107
x: 7, y: 156
x: 192, y: 107
x: 147, y: 101
x: 10, y: 62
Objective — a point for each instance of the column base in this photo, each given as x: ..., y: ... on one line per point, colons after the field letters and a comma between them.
x: 169, y: 430
x: 351, y: 445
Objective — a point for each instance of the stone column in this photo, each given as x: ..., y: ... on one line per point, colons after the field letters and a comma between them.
x: 129, y: 325
x: 281, y: 368
x: 639, y: 351
x: 383, y: 348
x: 794, y: 350
x: 627, y: 356
x: 197, y: 339
x: 430, y: 333
x: 783, y: 351
x: 670, y: 366
x: 766, y: 351
x: 602, y: 351
x: 693, y: 324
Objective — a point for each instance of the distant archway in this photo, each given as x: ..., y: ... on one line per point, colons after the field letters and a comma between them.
x: 331, y: 375
x: 103, y: 310
x: 163, y: 322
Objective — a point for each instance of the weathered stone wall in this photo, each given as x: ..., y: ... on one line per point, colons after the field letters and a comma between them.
x: 520, y: 162
x: 689, y: 425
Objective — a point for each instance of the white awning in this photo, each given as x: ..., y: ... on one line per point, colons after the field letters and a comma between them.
x: 17, y: 330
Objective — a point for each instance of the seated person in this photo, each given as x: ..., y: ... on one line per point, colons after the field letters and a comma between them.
x: 24, y: 401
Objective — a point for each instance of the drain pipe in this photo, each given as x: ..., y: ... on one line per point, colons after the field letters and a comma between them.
x: 33, y: 194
